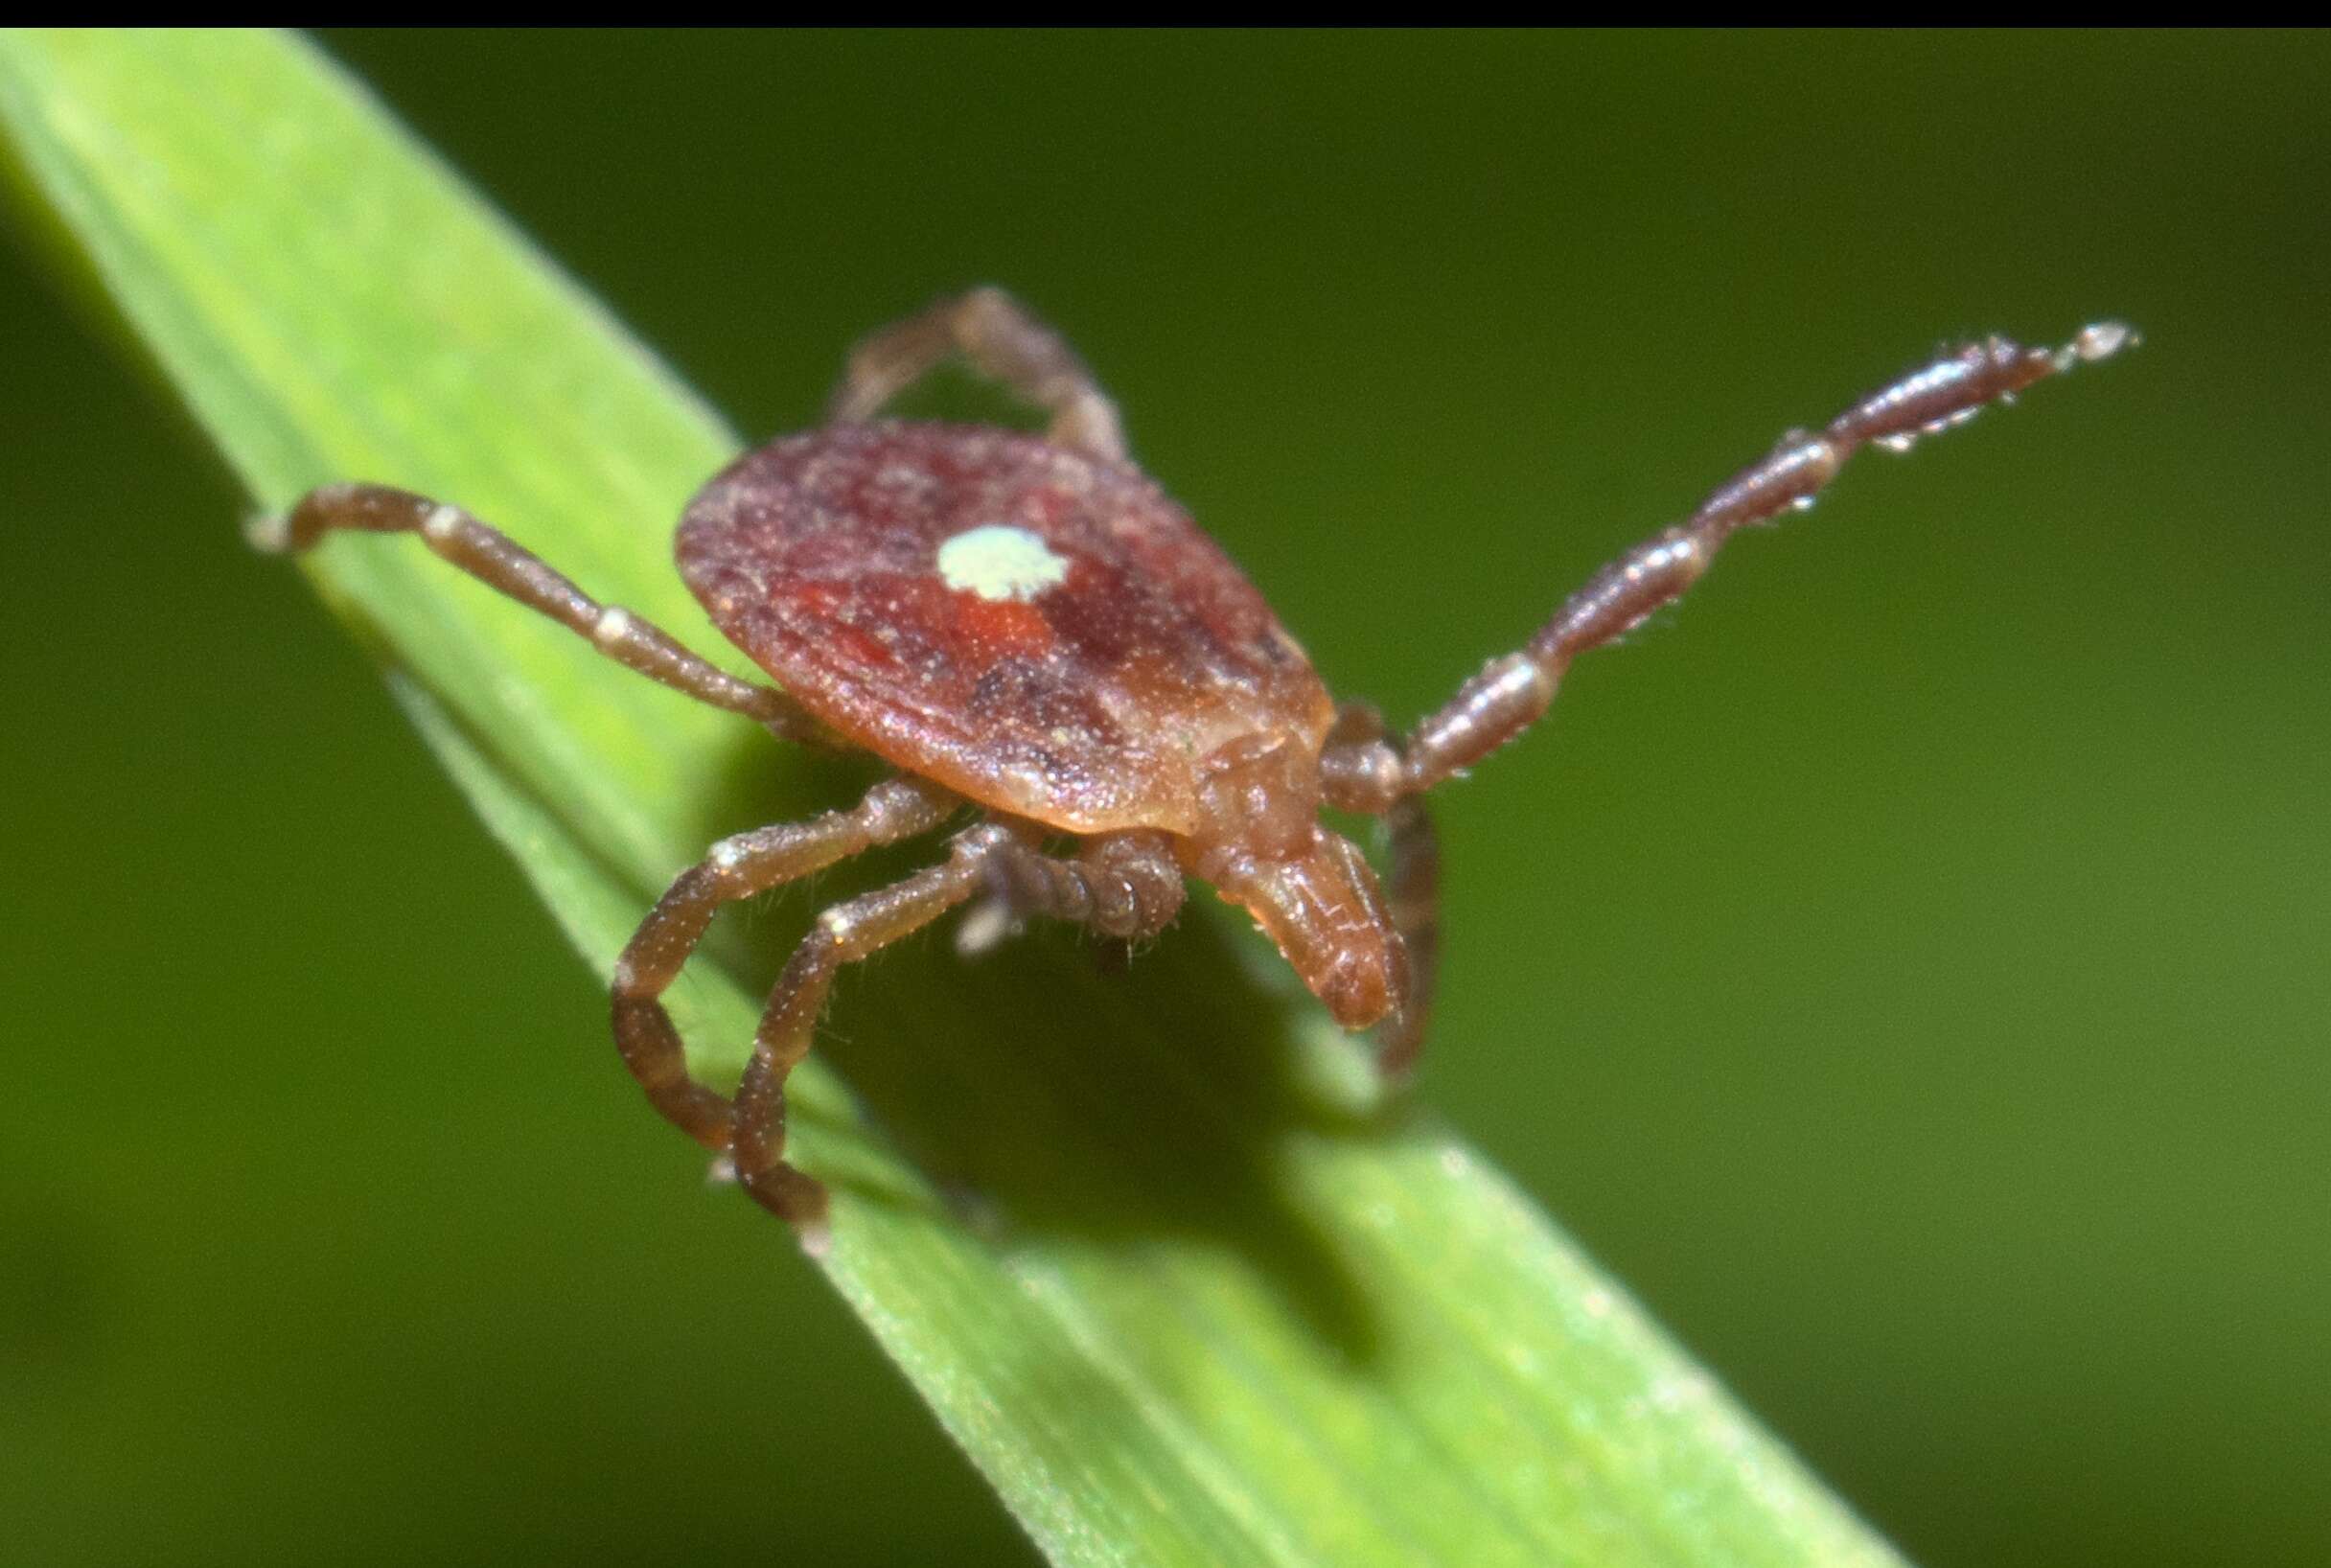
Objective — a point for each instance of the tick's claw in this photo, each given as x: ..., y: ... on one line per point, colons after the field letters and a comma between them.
x: 987, y: 925
x: 270, y: 533
x: 799, y: 1201
x: 2103, y: 340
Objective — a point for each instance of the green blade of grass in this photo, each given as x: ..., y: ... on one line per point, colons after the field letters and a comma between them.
x: 1148, y: 1246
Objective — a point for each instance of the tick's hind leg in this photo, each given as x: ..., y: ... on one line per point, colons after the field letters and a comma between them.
x: 737, y: 867
x: 503, y: 565
x: 1000, y: 340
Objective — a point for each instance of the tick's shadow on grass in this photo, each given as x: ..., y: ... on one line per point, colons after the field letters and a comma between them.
x: 1147, y: 1113
x: 1118, y: 1111
x: 1051, y: 1092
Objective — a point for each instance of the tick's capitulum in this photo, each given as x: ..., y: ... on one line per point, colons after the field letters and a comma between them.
x: 1032, y: 633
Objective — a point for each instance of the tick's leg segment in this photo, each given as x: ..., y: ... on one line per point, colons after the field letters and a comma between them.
x: 843, y: 934
x: 738, y: 867
x: 1508, y: 696
x: 501, y: 564
x: 1123, y: 884
x: 1000, y: 340
x: 1360, y: 771
x: 1412, y: 892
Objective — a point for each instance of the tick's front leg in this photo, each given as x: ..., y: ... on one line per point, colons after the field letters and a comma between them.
x: 1511, y: 694
x: 738, y: 867
x: 1412, y: 896
x: 1361, y: 771
x: 843, y: 934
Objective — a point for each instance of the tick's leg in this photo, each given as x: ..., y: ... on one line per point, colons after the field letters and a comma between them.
x: 738, y: 867
x: 1508, y: 695
x: 1003, y: 341
x: 501, y: 564
x: 1412, y: 892
x: 1358, y: 763
x: 1124, y: 885
x: 842, y: 935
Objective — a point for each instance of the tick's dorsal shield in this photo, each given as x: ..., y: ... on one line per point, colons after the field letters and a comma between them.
x: 1042, y: 630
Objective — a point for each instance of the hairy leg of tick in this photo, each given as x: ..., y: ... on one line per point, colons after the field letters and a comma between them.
x: 1509, y: 694
x: 1359, y: 769
x: 1123, y: 884
x: 1125, y: 887
x: 1412, y: 893
x: 845, y: 934
x: 738, y: 867
x: 1000, y: 340
x: 501, y: 564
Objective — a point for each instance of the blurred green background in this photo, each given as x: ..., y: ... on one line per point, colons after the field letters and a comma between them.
x: 1932, y: 914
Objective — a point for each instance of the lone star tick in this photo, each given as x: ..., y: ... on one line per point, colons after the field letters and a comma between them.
x: 1029, y: 629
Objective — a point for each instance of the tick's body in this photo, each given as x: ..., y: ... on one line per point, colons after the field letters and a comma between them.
x: 1029, y: 627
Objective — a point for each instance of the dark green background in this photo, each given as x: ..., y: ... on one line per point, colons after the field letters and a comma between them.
x: 1932, y: 911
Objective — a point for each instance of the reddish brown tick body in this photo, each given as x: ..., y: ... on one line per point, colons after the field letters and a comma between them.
x: 1027, y: 626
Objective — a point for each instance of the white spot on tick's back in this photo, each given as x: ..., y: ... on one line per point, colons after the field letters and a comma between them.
x: 996, y: 561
